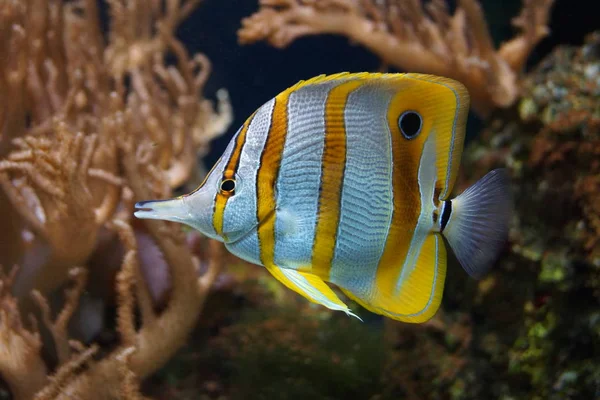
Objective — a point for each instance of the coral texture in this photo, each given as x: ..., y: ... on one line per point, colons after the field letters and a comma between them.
x: 89, y: 124
x: 541, y: 306
x: 415, y: 38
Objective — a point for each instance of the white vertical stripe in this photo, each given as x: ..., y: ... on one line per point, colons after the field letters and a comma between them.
x: 426, y: 178
x: 367, y: 194
x: 239, y: 221
x: 300, y: 176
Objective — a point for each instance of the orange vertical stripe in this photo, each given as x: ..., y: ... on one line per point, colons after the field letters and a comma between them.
x: 229, y: 173
x: 406, y: 156
x: 332, y: 176
x: 268, y: 170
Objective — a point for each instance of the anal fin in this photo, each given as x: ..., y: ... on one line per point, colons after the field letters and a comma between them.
x: 310, y: 286
x: 418, y: 296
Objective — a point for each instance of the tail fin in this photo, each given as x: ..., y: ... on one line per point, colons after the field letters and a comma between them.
x: 477, y: 228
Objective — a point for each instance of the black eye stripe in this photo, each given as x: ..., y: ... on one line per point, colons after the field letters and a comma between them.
x: 410, y: 124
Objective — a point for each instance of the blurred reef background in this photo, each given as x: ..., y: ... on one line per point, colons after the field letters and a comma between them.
x: 103, y: 103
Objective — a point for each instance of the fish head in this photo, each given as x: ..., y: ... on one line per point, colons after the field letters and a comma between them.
x: 218, y: 208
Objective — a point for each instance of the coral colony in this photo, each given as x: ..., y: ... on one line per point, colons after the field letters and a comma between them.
x: 412, y: 37
x: 90, y: 123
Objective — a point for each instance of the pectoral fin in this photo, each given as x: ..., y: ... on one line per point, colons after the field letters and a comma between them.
x: 310, y: 286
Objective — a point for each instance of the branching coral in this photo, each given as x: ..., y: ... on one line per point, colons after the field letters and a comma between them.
x: 50, y: 192
x: 88, y: 125
x: 20, y: 360
x: 416, y: 38
x: 62, y: 84
x: 143, y: 349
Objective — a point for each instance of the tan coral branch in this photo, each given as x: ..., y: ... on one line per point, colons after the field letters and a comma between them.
x: 181, y: 312
x: 21, y: 363
x: 65, y: 177
x: 533, y: 22
x: 58, y: 326
x: 414, y: 38
x: 59, y: 382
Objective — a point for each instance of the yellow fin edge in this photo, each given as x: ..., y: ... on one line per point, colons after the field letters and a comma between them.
x: 428, y: 295
x: 311, y: 287
x: 460, y: 89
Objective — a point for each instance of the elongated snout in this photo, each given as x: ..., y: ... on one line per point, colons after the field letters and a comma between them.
x: 175, y: 210
x: 194, y: 210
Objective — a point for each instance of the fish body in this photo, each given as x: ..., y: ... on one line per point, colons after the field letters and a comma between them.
x: 347, y: 179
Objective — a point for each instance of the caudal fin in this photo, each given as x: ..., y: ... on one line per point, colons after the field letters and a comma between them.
x: 477, y: 228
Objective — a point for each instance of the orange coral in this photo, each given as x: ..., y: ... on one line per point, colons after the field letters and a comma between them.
x: 413, y: 37
x: 64, y: 98
x: 89, y: 125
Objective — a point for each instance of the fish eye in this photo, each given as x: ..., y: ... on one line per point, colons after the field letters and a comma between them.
x: 410, y: 123
x: 228, y: 186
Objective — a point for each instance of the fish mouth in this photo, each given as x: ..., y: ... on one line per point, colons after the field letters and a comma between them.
x: 174, y: 210
x: 143, y: 206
